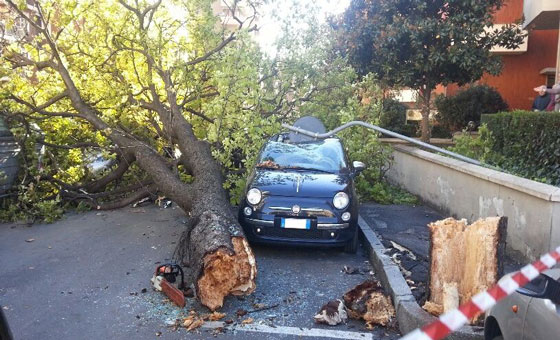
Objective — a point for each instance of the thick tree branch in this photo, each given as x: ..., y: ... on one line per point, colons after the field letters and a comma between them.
x: 189, y: 99
x: 126, y: 160
x: 199, y: 114
x: 133, y: 198
x: 213, y: 51
x: 37, y: 109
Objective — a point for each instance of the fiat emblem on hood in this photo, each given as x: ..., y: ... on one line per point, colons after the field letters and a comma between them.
x: 296, y: 209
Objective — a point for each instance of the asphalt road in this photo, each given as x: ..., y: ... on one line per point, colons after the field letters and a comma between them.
x: 82, y: 278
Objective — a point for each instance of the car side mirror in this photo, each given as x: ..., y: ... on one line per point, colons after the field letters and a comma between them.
x: 542, y: 287
x: 358, y: 167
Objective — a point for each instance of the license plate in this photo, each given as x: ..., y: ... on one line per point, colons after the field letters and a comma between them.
x: 295, y: 223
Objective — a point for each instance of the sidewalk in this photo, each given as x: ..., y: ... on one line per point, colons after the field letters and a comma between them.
x: 404, y: 224
x: 407, y: 225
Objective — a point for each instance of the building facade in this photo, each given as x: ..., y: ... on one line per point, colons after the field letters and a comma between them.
x: 536, y: 62
x: 529, y: 66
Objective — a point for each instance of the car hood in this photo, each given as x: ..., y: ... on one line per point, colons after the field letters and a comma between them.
x: 298, y: 183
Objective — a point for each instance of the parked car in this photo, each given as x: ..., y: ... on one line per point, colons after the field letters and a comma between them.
x: 301, y: 192
x: 531, y: 313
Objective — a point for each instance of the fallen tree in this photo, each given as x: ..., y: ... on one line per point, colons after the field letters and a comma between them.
x: 123, y: 52
x: 174, y: 104
x: 464, y: 260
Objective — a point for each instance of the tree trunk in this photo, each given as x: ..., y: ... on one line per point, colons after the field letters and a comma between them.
x: 464, y: 260
x: 219, y: 259
x: 425, y: 97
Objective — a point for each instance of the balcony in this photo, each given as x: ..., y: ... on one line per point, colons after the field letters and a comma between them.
x: 541, y: 14
x: 504, y: 51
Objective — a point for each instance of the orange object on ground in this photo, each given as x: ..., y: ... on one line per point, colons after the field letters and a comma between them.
x: 173, y: 293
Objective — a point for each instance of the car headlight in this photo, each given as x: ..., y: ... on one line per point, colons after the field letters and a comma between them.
x: 254, y: 196
x: 341, y: 200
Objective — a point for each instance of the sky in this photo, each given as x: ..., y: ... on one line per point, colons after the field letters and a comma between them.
x: 270, y: 27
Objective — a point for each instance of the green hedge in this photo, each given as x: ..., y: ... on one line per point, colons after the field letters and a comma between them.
x: 527, y: 143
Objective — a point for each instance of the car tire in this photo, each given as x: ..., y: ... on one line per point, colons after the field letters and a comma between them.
x: 499, y: 337
x: 352, y: 245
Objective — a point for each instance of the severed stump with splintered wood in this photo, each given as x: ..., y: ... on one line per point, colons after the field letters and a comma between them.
x: 369, y: 302
x: 464, y: 260
x: 218, y: 258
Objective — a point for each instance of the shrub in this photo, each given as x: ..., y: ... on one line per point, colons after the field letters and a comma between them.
x: 393, y: 117
x: 476, y: 147
x: 529, y: 143
x: 455, y: 112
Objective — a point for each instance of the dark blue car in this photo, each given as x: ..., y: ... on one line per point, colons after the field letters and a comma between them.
x: 302, y: 193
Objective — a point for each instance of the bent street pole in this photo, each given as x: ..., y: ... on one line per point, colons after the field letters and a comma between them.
x: 388, y: 133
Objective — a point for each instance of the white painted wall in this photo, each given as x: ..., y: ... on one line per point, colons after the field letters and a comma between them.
x: 468, y: 191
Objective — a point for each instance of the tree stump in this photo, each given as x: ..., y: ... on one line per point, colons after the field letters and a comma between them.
x: 218, y: 257
x: 464, y: 260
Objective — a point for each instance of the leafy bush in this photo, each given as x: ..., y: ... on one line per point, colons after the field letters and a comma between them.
x: 363, y: 144
x: 385, y: 193
x: 393, y: 117
x: 27, y: 206
x: 477, y: 146
x: 455, y: 112
x: 529, y: 143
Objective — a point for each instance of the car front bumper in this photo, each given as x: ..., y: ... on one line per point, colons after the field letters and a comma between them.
x: 320, y: 234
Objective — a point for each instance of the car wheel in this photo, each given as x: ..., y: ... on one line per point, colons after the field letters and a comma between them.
x: 352, y: 245
x: 499, y: 337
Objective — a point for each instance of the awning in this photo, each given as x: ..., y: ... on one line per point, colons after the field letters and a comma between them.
x: 548, y: 70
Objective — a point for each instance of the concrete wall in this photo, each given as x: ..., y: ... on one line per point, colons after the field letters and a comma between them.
x: 468, y: 191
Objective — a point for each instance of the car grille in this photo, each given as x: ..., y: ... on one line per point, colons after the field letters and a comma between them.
x: 309, y: 234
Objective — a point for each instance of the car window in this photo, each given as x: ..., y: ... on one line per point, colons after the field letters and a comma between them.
x: 324, y: 155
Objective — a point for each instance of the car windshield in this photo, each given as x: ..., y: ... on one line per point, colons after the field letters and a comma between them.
x: 324, y: 155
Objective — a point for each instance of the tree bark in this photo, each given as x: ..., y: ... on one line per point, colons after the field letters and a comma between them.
x: 425, y: 98
x: 369, y: 302
x: 218, y: 257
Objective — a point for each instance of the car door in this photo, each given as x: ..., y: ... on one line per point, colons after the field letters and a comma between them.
x: 543, y: 316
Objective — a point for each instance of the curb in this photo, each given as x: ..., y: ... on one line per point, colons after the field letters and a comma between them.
x: 409, y: 313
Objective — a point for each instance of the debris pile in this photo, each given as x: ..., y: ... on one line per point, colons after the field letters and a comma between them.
x: 464, y: 259
x: 333, y: 313
x: 414, y: 268
x: 367, y: 301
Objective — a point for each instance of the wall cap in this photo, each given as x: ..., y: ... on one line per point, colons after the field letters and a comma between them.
x: 540, y: 190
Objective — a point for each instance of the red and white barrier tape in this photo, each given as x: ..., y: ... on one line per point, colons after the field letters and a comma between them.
x: 481, y: 302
